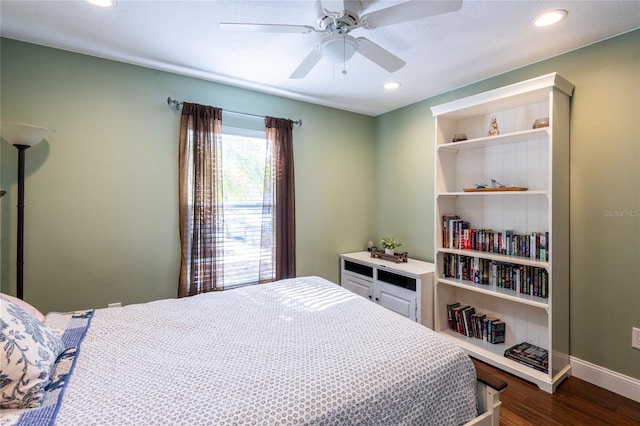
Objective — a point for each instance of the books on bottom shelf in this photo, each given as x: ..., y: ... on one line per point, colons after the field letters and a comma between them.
x: 529, y: 355
x: 465, y: 320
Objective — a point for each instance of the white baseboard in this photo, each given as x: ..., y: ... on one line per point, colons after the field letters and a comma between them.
x: 610, y: 380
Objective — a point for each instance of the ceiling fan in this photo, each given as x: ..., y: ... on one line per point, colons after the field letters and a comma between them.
x: 338, y: 46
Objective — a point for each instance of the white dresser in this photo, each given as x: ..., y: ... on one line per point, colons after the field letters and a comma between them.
x: 405, y: 288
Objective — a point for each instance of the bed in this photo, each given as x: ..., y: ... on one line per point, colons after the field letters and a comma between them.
x: 297, y: 351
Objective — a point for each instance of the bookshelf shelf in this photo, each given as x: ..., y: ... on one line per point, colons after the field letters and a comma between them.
x: 494, y: 354
x: 508, y: 138
x: 517, y: 260
x: 537, y: 159
x: 498, y: 292
x: 493, y: 194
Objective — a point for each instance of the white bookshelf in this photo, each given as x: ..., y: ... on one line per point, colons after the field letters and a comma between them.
x: 537, y: 159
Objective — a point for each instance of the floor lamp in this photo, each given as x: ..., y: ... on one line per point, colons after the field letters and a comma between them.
x: 22, y: 136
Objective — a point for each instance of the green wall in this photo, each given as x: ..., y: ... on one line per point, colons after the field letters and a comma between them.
x: 101, y: 217
x: 101, y: 193
x: 604, y: 200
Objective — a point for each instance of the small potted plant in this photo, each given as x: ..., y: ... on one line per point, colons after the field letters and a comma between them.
x: 389, y: 245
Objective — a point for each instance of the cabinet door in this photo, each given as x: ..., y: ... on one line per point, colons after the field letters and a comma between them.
x: 397, y: 299
x: 357, y: 285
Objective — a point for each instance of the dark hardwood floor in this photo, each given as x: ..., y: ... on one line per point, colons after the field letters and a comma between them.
x: 575, y: 402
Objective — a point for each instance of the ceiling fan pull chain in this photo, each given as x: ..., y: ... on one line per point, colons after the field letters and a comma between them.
x: 344, y: 53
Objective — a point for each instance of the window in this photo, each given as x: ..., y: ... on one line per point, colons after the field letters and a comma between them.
x: 236, y: 202
x: 247, y: 211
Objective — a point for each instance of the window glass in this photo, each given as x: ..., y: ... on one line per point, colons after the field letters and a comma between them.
x: 247, y: 215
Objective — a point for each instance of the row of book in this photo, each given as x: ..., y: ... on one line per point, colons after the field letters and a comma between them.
x: 458, y: 234
x: 524, y: 279
x: 530, y: 355
x: 465, y: 320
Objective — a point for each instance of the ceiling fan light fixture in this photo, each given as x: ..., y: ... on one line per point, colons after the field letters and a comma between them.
x: 339, y: 48
x: 550, y: 18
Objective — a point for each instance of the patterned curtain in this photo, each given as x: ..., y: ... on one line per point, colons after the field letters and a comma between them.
x: 279, y: 133
x: 200, y: 199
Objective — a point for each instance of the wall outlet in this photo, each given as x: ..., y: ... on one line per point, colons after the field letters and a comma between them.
x: 635, y: 337
x: 114, y: 305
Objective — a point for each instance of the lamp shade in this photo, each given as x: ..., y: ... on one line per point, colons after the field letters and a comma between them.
x: 339, y: 48
x: 23, y: 134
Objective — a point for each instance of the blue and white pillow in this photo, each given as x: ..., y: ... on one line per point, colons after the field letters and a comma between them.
x: 29, y: 351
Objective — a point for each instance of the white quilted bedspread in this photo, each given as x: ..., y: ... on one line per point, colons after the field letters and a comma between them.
x: 299, y: 351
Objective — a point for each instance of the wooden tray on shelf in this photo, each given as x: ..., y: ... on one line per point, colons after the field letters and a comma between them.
x: 397, y: 257
x: 501, y: 189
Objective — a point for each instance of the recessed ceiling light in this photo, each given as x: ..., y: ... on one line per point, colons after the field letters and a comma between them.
x: 550, y: 18
x: 103, y: 3
x: 391, y: 85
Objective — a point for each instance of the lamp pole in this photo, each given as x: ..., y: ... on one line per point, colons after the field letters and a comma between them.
x: 22, y: 136
x: 20, y: 254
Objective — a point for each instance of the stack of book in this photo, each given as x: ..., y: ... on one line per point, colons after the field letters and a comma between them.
x: 459, y: 234
x: 529, y: 355
x: 465, y: 320
x: 525, y: 279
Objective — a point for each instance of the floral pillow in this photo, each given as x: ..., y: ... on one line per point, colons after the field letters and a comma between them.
x: 24, y: 305
x: 29, y: 351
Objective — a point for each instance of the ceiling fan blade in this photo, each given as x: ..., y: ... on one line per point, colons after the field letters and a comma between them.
x: 379, y: 55
x: 319, y: 9
x: 331, y: 5
x: 338, y: 5
x: 353, y: 5
x: 266, y: 28
x: 409, y: 11
x: 307, y: 63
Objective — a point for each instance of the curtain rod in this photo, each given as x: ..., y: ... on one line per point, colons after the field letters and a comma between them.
x: 177, y: 104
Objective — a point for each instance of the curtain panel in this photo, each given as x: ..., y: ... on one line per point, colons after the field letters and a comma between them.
x: 279, y: 132
x: 200, y: 199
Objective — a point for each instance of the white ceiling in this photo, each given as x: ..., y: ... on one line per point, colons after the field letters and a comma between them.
x: 443, y: 52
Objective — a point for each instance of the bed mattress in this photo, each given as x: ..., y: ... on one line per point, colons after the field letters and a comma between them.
x: 297, y: 351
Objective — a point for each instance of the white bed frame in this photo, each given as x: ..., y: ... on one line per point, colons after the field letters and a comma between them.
x: 488, y: 391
